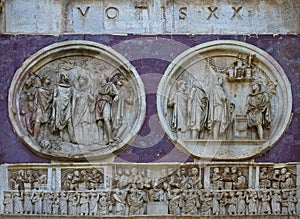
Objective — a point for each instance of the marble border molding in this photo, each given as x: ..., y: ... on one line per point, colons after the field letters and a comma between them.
x: 79, y: 60
x: 239, y: 65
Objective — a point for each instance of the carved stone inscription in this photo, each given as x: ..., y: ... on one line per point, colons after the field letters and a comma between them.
x: 80, y: 100
x: 227, y: 96
x: 165, y: 189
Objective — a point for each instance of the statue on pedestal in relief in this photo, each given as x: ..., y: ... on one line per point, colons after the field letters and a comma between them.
x: 227, y: 96
x: 86, y: 101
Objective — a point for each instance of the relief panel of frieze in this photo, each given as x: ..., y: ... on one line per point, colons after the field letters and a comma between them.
x: 224, y: 100
x: 153, y: 189
x: 75, y: 100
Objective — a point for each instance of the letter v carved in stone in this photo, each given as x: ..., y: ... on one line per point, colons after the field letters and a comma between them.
x: 85, y: 11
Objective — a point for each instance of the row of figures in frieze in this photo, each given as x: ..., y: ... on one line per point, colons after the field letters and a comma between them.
x: 239, y: 202
x: 229, y: 179
x: 276, y: 178
x: 211, y: 109
x: 82, y: 179
x: 57, y: 203
x: 170, y: 178
x: 134, y: 201
x: 25, y: 179
x: 69, y: 109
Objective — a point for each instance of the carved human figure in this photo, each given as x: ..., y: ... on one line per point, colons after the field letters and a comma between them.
x: 195, y: 179
x: 95, y: 179
x: 226, y: 178
x: 197, y: 111
x: 175, y: 202
x: 73, y: 203
x: 232, y: 204
x: 282, y: 178
x: 118, y: 198
x: 18, y: 205
x: 224, y: 203
x: 126, y: 179
x: 84, y: 204
x: 276, y: 202
x: 47, y: 203
x: 63, y: 203
x: 104, y: 204
x: 216, y: 179
x: 292, y: 202
x: 8, y: 203
x: 178, y: 103
x: 41, y: 177
x: 126, y: 98
x: 135, y: 200
x: 37, y: 202
x: 264, y: 178
x: 276, y: 179
x: 206, y: 204
x: 258, y: 109
x: 62, y: 121
x: 84, y: 113
x: 285, y: 202
x: 234, y: 177
x: 27, y: 102
x: 216, y: 197
x: 105, y: 95
x: 192, y: 203
x: 241, y: 181
x: 265, y: 207
x: 55, y: 203
x: 93, y: 203
x: 218, y: 111
x: 241, y: 203
x: 42, y: 105
x: 252, y: 201
x: 289, y: 182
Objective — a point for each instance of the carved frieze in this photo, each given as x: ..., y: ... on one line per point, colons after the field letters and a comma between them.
x: 152, y: 189
x: 224, y: 100
x: 75, y: 100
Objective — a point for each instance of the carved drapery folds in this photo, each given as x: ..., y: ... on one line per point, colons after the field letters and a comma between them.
x: 151, y: 189
x: 224, y: 100
x: 75, y: 100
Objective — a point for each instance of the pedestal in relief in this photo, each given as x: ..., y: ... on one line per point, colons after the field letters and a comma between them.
x: 76, y: 99
x: 224, y: 100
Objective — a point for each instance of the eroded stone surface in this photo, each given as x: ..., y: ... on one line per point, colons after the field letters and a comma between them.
x: 76, y: 100
x: 224, y: 100
x: 155, y: 16
x: 169, y: 189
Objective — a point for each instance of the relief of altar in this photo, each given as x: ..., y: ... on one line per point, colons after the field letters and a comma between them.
x: 224, y: 101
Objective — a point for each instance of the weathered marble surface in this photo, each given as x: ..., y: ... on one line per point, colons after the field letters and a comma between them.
x: 154, y: 16
x: 96, y: 189
x: 76, y: 100
x: 150, y: 55
x: 224, y: 100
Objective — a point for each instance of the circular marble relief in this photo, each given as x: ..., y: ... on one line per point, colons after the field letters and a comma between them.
x: 76, y: 99
x: 224, y: 100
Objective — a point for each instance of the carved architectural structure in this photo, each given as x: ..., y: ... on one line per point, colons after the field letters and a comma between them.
x: 76, y: 100
x: 229, y: 97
